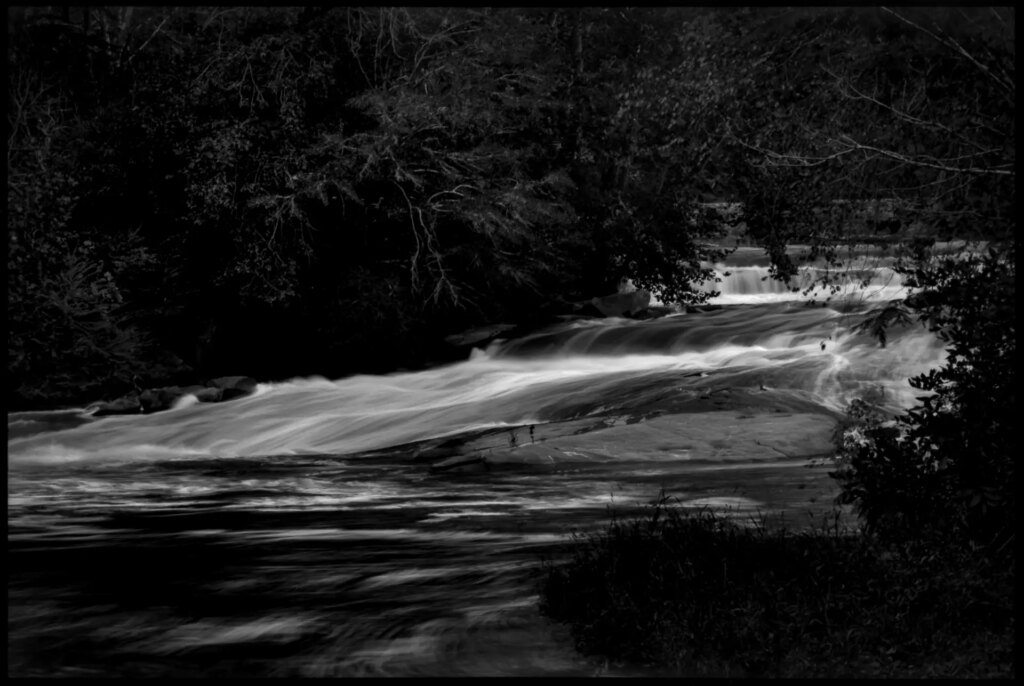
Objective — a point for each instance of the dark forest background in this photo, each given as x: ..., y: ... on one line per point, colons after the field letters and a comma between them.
x: 275, y: 192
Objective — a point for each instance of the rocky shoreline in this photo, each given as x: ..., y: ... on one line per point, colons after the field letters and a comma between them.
x: 149, y: 400
x: 635, y: 304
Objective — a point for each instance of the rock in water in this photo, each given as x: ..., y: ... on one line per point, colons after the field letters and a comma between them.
x: 481, y: 334
x: 622, y: 304
x: 204, y: 394
x: 128, y: 404
x: 233, y: 386
x: 159, y: 399
x: 208, y: 394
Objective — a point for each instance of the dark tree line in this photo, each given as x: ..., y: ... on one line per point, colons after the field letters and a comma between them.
x: 284, y: 191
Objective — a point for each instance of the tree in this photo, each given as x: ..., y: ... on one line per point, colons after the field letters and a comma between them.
x: 911, y: 123
x: 639, y: 171
x: 69, y: 332
x: 918, y: 120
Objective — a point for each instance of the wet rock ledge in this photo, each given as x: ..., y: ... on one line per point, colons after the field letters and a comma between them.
x: 147, y: 401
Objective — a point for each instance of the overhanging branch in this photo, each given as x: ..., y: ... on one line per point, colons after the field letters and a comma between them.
x: 950, y: 43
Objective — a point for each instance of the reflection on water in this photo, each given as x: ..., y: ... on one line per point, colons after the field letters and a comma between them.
x: 393, y: 525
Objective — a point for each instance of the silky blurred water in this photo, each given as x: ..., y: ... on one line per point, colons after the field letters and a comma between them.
x: 307, y: 531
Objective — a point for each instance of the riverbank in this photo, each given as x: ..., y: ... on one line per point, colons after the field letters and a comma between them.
x: 694, y: 594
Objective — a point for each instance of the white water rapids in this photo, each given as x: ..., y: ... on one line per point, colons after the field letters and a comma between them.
x: 390, y: 525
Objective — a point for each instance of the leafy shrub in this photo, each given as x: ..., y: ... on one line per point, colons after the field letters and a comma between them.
x: 946, y: 466
x: 691, y: 593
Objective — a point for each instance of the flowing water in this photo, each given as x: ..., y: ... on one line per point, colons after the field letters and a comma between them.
x: 394, y: 525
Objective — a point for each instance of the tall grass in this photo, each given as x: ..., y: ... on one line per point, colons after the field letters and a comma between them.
x: 695, y: 593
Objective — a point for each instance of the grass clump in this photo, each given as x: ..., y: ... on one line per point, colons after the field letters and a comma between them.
x: 696, y: 594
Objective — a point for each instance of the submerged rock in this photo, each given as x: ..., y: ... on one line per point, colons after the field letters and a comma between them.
x: 462, y: 463
x: 695, y: 309
x: 426, y: 454
x: 528, y: 455
x: 656, y: 311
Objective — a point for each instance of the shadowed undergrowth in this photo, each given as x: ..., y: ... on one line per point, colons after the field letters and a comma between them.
x: 698, y: 594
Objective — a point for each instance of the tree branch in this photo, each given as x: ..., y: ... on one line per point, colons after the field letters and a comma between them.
x: 950, y: 43
x: 789, y: 160
x: 935, y: 164
x: 147, y: 41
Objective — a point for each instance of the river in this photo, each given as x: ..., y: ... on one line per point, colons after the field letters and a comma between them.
x: 393, y: 525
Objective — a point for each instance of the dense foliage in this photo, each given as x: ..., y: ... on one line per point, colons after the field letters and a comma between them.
x: 946, y: 468
x: 698, y: 595
x: 285, y: 191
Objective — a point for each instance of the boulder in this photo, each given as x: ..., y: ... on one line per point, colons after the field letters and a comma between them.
x: 128, y: 404
x: 163, y: 398
x: 480, y: 334
x: 655, y: 312
x: 622, y: 304
x: 233, y: 386
x: 586, y: 309
x: 160, y: 399
x: 208, y: 394
x: 204, y: 394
